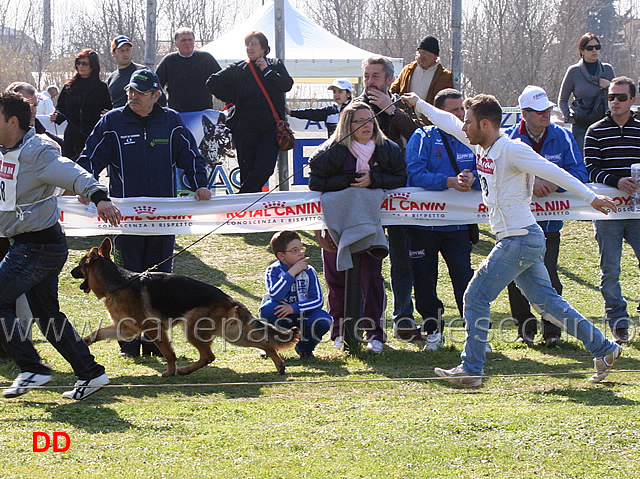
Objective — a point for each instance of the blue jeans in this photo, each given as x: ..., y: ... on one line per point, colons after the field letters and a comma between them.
x: 313, y: 324
x: 33, y: 269
x: 520, y: 259
x: 401, y: 279
x: 609, y: 235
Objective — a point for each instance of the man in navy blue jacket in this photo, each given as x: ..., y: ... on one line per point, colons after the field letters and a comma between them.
x: 430, y: 166
x: 557, y: 145
x: 141, y: 144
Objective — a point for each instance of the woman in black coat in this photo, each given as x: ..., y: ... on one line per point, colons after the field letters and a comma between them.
x: 253, y: 127
x: 358, y: 155
x: 83, y: 99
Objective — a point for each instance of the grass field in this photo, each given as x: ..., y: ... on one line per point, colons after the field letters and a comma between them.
x: 336, y: 416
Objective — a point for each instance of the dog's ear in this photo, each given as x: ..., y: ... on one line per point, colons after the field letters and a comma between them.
x: 93, y: 253
x: 105, y: 248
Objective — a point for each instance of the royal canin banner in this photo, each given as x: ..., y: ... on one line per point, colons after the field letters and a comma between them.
x: 301, y: 210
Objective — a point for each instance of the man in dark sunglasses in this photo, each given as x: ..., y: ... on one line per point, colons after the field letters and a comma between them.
x: 611, y: 146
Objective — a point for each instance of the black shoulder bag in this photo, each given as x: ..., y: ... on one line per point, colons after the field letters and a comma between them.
x: 474, y: 231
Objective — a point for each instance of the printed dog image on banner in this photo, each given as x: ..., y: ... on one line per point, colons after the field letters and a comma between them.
x: 152, y: 303
x: 214, y: 142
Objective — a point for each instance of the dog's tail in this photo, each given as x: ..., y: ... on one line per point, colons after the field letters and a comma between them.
x: 261, y: 334
x: 281, y: 338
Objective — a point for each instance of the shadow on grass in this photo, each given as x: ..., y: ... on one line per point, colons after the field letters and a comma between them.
x: 600, y: 396
x: 577, y: 279
x: 485, y: 244
x: 189, y: 264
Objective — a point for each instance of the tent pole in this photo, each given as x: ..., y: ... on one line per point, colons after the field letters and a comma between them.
x: 278, y: 19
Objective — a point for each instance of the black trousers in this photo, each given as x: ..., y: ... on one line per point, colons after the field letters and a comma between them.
x: 4, y: 249
x: 257, y: 155
x: 520, y: 307
x: 424, y: 247
x: 137, y: 253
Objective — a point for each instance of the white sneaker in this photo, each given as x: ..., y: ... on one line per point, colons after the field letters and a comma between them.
x: 603, y: 365
x: 434, y: 342
x: 374, y: 346
x: 23, y: 383
x: 459, y: 376
x: 488, y: 349
x: 338, y: 343
x: 86, y: 387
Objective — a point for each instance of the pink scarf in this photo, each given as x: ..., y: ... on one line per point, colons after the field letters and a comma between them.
x: 363, y: 153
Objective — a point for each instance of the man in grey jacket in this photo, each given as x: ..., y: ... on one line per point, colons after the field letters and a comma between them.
x: 29, y: 218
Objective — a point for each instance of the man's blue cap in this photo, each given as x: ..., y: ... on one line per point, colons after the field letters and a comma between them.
x: 119, y: 41
x: 144, y: 80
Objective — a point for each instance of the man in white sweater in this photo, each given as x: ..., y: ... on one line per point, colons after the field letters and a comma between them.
x: 507, y: 168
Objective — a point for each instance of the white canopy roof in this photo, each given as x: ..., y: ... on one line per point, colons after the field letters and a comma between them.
x: 310, y: 50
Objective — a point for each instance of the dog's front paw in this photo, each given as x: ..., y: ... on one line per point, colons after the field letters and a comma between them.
x: 88, y: 340
x: 168, y: 373
x: 281, y: 369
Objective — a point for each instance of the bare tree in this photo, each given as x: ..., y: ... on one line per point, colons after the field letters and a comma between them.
x: 207, y: 18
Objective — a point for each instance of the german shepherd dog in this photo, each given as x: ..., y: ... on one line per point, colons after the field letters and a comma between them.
x: 154, y: 302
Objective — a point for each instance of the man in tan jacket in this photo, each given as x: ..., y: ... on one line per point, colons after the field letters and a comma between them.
x: 425, y: 76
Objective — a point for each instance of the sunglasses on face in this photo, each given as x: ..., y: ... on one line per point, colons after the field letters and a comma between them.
x: 590, y: 48
x: 80, y: 63
x: 619, y: 96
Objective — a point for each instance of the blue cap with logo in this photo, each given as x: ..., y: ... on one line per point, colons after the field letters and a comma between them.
x: 119, y: 41
x: 144, y: 80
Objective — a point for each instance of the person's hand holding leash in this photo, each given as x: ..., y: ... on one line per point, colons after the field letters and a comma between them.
x: 410, y: 99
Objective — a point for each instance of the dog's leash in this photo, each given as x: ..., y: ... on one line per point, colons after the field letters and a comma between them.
x: 414, y: 118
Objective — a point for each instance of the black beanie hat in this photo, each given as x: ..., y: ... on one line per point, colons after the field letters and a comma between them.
x: 430, y: 44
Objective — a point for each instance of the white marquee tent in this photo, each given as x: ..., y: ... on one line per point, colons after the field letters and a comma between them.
x: 310, y: 50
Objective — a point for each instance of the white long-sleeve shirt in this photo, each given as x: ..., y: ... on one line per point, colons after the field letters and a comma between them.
x: 507, y: 170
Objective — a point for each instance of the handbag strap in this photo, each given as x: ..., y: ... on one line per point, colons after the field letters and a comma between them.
x: 266, y: 95
x: 449, y: 152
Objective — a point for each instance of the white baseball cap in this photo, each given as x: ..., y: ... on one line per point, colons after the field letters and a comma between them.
x: 535, y: 98
x: 341, y: 83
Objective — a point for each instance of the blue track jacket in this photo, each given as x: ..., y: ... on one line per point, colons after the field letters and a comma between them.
x: 559, y: 147
x: 303, y: 292
x: 141, y: 159
x: 429, y: 166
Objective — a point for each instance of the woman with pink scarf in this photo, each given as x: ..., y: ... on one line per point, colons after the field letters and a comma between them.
x: 358, y: 155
